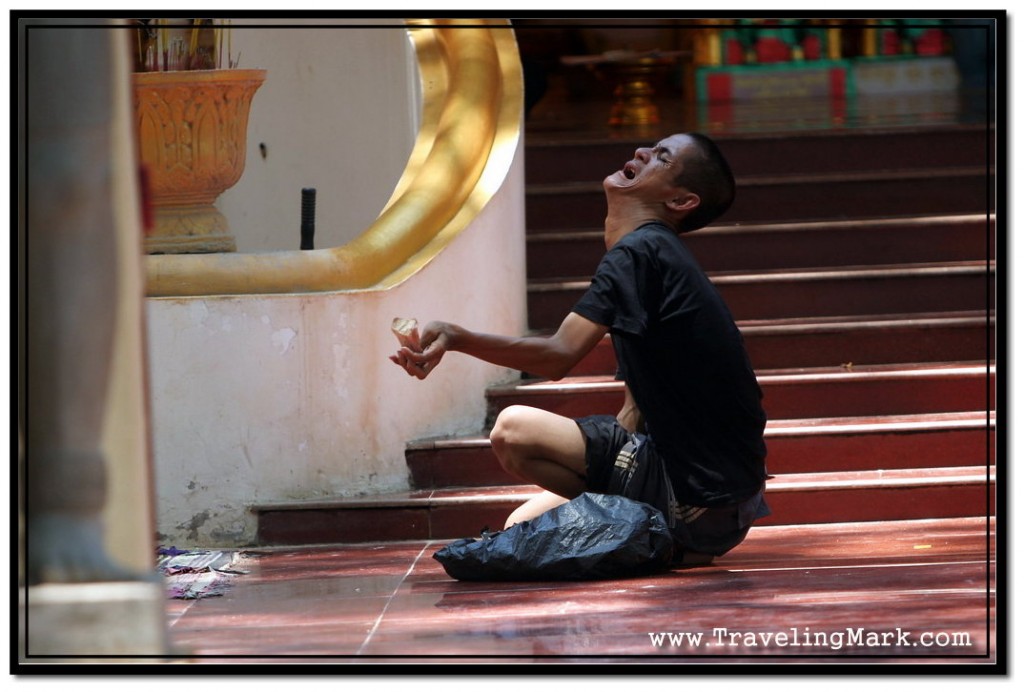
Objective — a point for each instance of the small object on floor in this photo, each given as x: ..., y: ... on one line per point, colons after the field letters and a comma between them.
x: 198, y: 573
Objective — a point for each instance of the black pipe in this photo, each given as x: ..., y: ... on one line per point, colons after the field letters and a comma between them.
x: 308, y: 226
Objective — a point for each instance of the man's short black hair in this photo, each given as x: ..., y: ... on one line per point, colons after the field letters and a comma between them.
x: 707, y: 174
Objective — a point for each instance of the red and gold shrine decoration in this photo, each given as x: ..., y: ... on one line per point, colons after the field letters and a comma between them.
x: 192, y: 128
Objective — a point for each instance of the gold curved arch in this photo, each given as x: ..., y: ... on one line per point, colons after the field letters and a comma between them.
x: 472, y: 104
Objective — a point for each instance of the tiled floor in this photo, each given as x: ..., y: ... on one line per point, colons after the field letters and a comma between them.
x: 781, y: 597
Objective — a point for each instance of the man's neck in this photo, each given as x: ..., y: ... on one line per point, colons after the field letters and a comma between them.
x: 617, y: 226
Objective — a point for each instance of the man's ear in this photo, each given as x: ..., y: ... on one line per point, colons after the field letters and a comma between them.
x: 684, y: 201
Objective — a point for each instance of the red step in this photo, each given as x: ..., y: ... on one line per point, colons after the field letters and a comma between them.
x: 875, y: 390
x: 883, y: 442
x: 882, y: 495
x: 867, y: 340
x: 765, y: 199
x: 845, y: 195
x: 794, y: 152
x: 760, y: 247
x: 861, y: 340
x: 449, y: 513
x: 794, y: 498
x: 785, y: 294
x: 878, y: 390
x: 794, y: 446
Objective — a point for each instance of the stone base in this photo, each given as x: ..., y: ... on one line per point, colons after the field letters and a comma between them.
x: 189, y: 229
x: 77, y: 623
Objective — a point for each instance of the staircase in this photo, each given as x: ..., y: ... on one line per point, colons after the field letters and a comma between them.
x: 859, y: 266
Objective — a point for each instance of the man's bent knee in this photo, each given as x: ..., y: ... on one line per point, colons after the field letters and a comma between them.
x: 540, y: 447
x: 507, y: 436
x: 511, y: 421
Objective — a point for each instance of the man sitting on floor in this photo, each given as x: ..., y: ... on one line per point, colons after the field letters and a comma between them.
x: 689, y: 439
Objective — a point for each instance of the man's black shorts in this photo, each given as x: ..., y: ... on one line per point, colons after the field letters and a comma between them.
x: 620, y: 463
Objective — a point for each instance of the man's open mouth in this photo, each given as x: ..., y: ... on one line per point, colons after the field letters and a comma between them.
x: 629, y: 171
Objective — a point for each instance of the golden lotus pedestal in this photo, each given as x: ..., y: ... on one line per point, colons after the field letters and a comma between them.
x: 634, y: 76
x: 634, y: 90
x: 192, y: 129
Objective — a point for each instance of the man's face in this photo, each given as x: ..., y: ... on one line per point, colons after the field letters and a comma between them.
x: 652, y: 171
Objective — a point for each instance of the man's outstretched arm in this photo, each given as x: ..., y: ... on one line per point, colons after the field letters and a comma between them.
x: 549, y: 356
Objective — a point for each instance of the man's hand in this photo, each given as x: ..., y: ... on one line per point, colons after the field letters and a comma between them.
x: 546, y: 356
x: 434, y: 341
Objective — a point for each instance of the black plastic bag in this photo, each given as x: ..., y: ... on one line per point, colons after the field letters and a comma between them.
x: 590, y: 537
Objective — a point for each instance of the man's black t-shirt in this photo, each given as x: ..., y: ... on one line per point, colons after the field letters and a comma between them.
x: 682, y: 356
